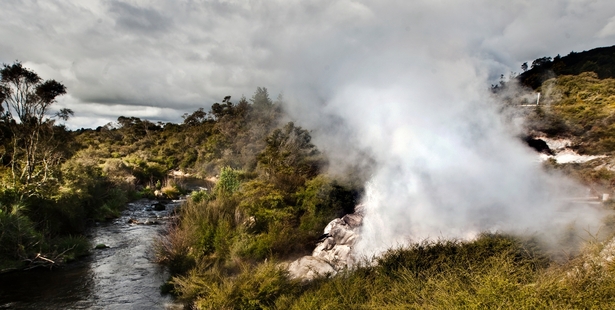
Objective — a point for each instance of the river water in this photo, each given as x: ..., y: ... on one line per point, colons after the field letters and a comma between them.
x: 122, y: 276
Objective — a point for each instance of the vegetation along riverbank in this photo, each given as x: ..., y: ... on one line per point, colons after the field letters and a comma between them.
x: 265, y: 195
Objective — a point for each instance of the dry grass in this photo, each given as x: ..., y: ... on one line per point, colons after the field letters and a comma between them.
x: 492, y: 272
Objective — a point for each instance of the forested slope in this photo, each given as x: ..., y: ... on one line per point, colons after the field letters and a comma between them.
x: 599, y: 60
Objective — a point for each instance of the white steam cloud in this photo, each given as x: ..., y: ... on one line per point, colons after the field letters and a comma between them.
x: 447, y: 166
x: 446, y: 163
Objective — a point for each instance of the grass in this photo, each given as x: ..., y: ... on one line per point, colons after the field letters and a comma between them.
x: 18, y: 236
x: 580, y: 107
x: 492, y: 272
x: 489, y: 272
x: 171, y: 192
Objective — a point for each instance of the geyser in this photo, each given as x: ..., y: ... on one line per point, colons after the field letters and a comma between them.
x: 407, y: 98
x: 443, y: 167
x: 452, y: 169
x: 445, y: 164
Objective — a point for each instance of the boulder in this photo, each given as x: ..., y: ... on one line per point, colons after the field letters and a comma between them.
x: 309, y: 268
x: 353, y: 220
x: 334, y: 252
x: 159, y: 207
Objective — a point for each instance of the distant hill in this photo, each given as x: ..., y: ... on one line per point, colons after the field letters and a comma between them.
x: 599, y: 60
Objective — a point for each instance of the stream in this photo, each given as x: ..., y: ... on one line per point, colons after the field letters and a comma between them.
x: 122, y: 276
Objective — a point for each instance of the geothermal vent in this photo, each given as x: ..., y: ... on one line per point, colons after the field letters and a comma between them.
x: 334, y: 252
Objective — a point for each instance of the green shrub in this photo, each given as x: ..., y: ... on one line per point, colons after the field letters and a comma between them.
x: 321, y: 201
x: 200, y: 196
x: 18, y: 236
x: 69, y: 248
x: 146, y: 192
x: 114, y: 202
x: 228, y: 182
x: 171, y: 192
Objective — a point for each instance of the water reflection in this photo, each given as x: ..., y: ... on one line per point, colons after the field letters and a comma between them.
x: 69, y: 288
x: 123, y: 276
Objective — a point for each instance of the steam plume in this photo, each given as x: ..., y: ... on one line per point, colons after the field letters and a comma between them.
x: 447, y: 165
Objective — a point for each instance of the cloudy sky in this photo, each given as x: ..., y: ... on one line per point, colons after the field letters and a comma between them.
x: 159, y: 59
x: 405, y: 82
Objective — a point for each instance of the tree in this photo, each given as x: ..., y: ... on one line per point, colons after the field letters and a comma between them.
x: 289, y: 156
x: 264, y: 109
x: 134, y: 128
x: 261, y: 99
x: 196, y: 118
x: 524, y: 66
x: 541, y: 62
x: 25, y: 101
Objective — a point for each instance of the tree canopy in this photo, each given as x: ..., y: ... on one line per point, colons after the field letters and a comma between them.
x: 599, y: 60
x: 28, y: 129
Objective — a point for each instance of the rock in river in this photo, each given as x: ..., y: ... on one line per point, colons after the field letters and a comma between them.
x: 159, y: 207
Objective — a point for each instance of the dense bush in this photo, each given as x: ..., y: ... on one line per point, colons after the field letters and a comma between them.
x: 270, y: 202
x: 18, y: 236
x: 598, y: 60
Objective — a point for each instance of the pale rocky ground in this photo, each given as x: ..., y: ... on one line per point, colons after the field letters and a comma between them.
x: 563, y: 153
x: 598, y: 260
x: 334, y: 253
x: 593, y: 261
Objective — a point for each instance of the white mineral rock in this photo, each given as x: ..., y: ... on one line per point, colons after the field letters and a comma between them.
x: 334, y: 252
x: 309, y: 268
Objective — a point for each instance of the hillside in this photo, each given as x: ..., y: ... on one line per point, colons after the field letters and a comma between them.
x: 599, y: 60
x: 577, y: 107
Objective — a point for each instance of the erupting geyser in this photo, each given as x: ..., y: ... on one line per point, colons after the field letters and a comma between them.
x: 414, y: 111
x: 443, y: 166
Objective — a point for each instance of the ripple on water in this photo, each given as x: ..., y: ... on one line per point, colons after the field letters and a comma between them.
x: 123, y: 276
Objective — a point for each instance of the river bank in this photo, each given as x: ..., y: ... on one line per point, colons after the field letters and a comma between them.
x: 122, y: 274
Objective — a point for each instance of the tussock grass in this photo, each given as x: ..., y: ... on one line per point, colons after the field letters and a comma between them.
x: 492, y: 272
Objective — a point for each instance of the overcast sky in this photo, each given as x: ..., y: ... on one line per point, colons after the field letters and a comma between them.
x: 159, y: 59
